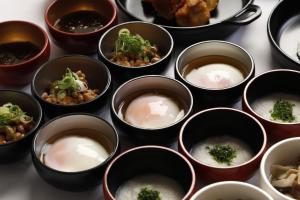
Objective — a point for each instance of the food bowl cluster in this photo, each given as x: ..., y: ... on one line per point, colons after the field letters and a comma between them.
x: 74, y: 149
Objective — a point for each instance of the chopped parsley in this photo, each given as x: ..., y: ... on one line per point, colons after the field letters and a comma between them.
x: 222, y: 153
x: 148, y: 194
x: 283, y: 110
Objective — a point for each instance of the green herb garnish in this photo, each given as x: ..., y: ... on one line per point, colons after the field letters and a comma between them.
x: 133, y: 45
x: 69, y: 84
x: 148, y: 194
x: 10, y: 113
x: 283, y: 110
x: 222, y: 153
x: 128, y: 42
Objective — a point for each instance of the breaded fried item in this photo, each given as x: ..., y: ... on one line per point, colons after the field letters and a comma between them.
x: 193, y: 13
x: 166, y: 8
x: 212, y: 4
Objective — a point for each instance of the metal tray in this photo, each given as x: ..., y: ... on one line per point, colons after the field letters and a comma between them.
x: 19, y: 181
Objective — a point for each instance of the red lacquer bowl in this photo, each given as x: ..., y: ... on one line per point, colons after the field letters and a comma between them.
x: 275, y: 81
x: 22, y: 31
x: 218, y: 122
x: 85, y: 43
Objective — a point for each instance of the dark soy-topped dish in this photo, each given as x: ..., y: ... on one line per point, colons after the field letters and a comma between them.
x: 76, y: 26
x: 150, y: 109
x: 226, y: 17
x: 20, y: 115
x: 215, y: 71
x: 223, y: 144
x: 24, y: 47
x: 157, y: 171
x: 283, y: 32
x: 152, y: 46
x: 70, y: 84
x: 273, y: 98
x: 60, y: 151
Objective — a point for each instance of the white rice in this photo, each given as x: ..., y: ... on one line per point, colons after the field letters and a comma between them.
x: 201, y: 153
x: 264, y: 105
x: 168, y: 188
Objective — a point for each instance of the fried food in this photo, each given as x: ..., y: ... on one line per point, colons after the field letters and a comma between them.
x: 211, y: 4
x: 166, y: 8
x: 185, y: 12
x: 193, y: 13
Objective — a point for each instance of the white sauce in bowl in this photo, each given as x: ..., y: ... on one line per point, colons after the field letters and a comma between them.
x: 201, y: 153
x: 168, y: 188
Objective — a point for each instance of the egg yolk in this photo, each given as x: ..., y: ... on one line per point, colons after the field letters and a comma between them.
x: 153, y: 111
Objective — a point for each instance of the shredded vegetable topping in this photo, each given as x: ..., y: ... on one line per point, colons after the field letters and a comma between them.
x: 14, y: 123
x: 67, y: 85
x: 133, y: 50
x: 10, y: 113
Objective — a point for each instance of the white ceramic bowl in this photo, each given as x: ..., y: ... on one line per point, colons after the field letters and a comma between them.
x: 283, y: 153
x: 229, y: 190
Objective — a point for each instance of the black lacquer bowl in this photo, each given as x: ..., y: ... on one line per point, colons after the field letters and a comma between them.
x: 210, y: 97
x: 284, y: 31
x: 13, y: 151
x: 80, y: 180
x: 152, y: 83
x: 156, y: 35
x: 97, y: 75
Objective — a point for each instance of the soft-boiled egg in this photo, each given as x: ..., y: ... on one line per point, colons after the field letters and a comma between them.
x: 152, y: 110
x: 215, y: 76
x: 74, y: 153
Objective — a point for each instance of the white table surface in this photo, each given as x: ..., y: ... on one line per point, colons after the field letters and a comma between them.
x: 19, y: 181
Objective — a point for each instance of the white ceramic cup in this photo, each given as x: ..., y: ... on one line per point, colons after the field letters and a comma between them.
x: 229, y: 190
x: 285, y: 152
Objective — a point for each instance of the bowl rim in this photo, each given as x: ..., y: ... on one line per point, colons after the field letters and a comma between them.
x: 110, y: 22
x: 246, y: 102
x: 101, y: 53
x: 107, y: 160
x: 159, y: 128
x: 241, y: 49
x: 263, y: 163
x: 175, y: 153
x: 38, y: 121
x: 271, y: 36
x: 89, y: 59
x: 254, y: 157
x: 125, y: 10
x: 233, y: 183
x: 46, y: 43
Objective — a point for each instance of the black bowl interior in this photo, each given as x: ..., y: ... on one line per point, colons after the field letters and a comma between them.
x: 77, y: 121
x: 282, y: 81
x: 219, y: 122
x: 148, y: 161
x: 284, y: 27
x: 26, y: 103
x: 153, y: 33
x: 97, y: 75
x: 138, y: 86
x: 144, y: 12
